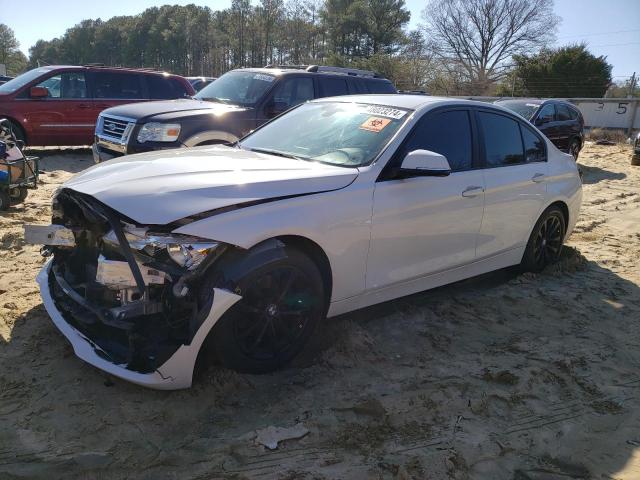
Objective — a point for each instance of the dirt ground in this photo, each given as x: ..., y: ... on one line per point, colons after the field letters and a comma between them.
x: 504, y: 376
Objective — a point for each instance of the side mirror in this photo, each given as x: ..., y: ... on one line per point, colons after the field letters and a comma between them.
x: 276, y: 108
x: 424, y: 163
x: 38, y: 92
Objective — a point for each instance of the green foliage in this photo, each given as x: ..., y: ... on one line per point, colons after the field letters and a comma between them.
x: 193, y: 40
x: 565, y: 72
x: 10, y: 55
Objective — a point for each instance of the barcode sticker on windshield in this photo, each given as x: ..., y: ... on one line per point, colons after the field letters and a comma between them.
x: 385, y: 111
x: 375, y: 124
x: 263, y: 77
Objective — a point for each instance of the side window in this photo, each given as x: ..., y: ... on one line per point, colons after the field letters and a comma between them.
x: 66, y: 85
x: 548, y: 112
x: 117, y: 85
x: 330, y: 87
x: 574, y: 113
x: 446, y: 133
x: 534, y: 149
x: 563, y: 113
x: 502, y: 140
x: 380, y: 86
x: 160, y: 87
x: 294, y: 91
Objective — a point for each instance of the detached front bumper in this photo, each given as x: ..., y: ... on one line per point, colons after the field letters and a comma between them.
x: 176, y: 373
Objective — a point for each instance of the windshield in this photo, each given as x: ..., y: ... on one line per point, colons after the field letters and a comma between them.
x: 337, y: 133
x: 238, y: 88
x: 21, y: 80
x: 523, y: 108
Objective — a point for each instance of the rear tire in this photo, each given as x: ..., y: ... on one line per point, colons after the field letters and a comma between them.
x: 545, y: 243
x: 282, y: 303
x: 574, y: 148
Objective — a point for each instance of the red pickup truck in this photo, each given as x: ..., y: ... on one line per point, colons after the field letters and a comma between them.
x: 59, y: 104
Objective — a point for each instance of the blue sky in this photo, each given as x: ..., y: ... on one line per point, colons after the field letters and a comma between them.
x: 610, y: 28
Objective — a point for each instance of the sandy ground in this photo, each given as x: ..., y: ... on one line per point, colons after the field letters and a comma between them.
x: 500, y: 377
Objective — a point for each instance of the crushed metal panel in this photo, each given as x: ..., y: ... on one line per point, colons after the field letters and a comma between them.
x: 118, y: 274
x: 57, y: 235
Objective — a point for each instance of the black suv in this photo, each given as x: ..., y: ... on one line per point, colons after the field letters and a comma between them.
x: 225, y: 110
x: 560, y: 121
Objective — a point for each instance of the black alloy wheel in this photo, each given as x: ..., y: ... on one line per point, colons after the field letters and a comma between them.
x: 545, y: 243
x: 282, y: 302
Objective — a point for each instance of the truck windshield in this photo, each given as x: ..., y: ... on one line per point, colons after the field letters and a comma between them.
x: 237, y: 88
x: 338, y: 133
x: 21, y: 80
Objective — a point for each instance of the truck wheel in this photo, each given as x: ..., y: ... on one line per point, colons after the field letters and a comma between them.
x: 545, y: 243
x: 282, y: 302
x: 5, y: 200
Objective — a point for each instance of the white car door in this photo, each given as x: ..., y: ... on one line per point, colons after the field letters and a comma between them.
x: 515, y: 182
x: 423, y: 225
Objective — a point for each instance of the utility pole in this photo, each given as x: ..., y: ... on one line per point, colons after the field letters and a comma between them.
x: 632, y: 85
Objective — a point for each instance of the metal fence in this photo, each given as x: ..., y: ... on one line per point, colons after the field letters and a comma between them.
x: 611, y: 113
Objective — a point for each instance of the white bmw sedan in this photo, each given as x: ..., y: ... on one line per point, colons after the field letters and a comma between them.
x: 338, y: 204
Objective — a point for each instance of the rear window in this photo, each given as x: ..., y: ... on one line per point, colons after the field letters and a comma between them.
x: 330, y: 87
x: 161, y: 87
x: 116, y: 85
x: 380, y: 86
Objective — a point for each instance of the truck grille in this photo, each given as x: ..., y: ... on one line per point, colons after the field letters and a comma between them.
x: 115, y: 128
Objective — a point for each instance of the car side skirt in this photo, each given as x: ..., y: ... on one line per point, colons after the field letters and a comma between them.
x: 495, y: 262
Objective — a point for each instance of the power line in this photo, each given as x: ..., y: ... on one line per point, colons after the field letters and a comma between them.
x: 616, y: 44
x: 600, y: 33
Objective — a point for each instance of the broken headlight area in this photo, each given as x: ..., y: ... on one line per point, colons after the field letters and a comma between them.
x: 187, y: 252
x: 132, y: 292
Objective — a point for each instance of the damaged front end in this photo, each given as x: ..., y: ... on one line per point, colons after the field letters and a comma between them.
x: 136, y: 294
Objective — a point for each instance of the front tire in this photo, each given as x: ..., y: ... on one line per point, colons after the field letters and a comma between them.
x: 282, y: 303
x: 545, y: 243
x: 574, y: 148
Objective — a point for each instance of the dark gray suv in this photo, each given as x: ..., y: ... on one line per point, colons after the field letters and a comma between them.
x: 225, y: 110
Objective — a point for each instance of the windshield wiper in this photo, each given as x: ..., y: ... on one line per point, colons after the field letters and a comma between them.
x: 212, y: 99
x: 277, y: 153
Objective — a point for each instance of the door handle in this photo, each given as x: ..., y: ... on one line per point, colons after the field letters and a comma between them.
x: 472, y: 191
x: 538, y: 177
x: 84, y: 105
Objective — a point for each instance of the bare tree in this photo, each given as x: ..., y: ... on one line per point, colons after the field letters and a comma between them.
x: 479, y: 37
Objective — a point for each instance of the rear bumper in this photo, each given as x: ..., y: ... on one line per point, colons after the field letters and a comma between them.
x: 176, y: 373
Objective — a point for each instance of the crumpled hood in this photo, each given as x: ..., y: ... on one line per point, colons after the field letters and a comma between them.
x: 143, y: 110
x: 157, y: 188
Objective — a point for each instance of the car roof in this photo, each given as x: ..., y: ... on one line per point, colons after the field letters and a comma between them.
x: 105, y: 68
x: 296, y: 71
x: 400, y: 100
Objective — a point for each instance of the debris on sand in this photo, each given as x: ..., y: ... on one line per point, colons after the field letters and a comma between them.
x: 271, y: 436
x: 505, y: 377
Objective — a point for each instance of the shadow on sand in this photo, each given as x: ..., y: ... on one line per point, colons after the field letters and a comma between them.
x: 516, y: 376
